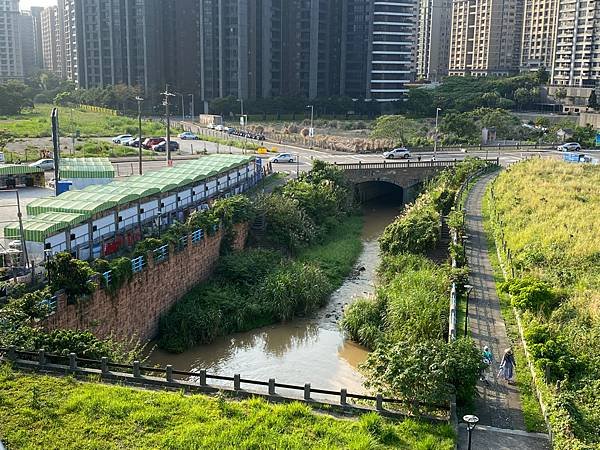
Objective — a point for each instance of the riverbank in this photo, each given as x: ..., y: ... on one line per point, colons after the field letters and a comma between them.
x: 44, y: 412
x: 310, y: 349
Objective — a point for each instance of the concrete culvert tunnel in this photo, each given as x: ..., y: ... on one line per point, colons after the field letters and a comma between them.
x: 379, y: 192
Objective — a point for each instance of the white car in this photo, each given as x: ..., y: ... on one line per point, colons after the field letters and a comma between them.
x: 219, y: 128
x: 127, y: 141
x: 121, y: 137
x: 188, y: 135
x: 397, y: 153
x: 569, y: 147
x: 44, y: 164
x: 283, y: 158
x: 210, y: 126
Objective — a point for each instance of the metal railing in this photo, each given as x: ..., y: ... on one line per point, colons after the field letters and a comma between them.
x: 161, y: 254
x: 168, y: 377
x: 403, y: 164
x: 138, y: 264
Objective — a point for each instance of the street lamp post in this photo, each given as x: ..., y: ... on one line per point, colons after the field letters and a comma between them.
x: 471, y: 422
x: 192, y: 106
x: 168, y: 94
x: 437, y: 113
x: 139, y: 103
x: 243, y: 121
x: 311, y: 131
x: 468, y: 288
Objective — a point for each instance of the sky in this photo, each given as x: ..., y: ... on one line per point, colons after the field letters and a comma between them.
x: 26, y: 4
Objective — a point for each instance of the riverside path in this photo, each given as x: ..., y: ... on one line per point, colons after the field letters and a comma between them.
x: 497, y: 405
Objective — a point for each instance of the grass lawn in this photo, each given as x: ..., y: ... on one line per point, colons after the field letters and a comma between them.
x: 532, y: 413
x: 61, y: 413
x: 36, y: 123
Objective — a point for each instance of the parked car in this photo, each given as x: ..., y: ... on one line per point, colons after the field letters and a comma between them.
x: 283, y: 158
x: 44, y: 164
x: 397, y: 153
x: 162, y: 146
x: 135, y: 142
x: 569, y: 147
x: 188, y: 135
x: 150, y: 142
x: 126, y: 141
x: 118, y: 139
x: 210, y: 126
x: 219, y: 128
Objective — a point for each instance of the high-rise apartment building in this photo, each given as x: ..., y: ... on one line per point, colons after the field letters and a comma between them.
x: 433, y: 39
x: 38, y: 53
x: 576, y: 59
x: 108, y: 42
x: 53, y: 41
x: 539, y: 34
x: 11, y: 59
x: 28, y: 43
x: 486, y: 37
x: 392, y: 48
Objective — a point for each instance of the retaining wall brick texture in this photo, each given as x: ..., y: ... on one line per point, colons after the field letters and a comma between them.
x: 135, y: 309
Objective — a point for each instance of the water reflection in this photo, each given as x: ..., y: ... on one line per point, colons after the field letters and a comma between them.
x: 310, y: 350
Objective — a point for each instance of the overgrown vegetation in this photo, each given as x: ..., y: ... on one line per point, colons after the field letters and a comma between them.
x: 405, y: 323
x: 550, y: 213
x: 44, y: 412
x: 35, y: 122
x: 265, y: 285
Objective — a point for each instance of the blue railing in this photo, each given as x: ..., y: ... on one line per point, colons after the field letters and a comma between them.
x: 182, y: 243
x: 138, y: 264
x: 107, y: 276
x: 197, y: 236
x: 51, y: 303
x: 161, y: 254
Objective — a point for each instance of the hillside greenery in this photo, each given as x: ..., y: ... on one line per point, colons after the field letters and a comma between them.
x: 550, y: 220
x: 43, y: 412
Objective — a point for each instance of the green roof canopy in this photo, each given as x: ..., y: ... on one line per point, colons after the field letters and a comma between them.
x: 39, y: 228
x: 86, y: 168
x: 18, y: 169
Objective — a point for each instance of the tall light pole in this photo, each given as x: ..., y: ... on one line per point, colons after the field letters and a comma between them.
x: 192, y: 106
x: 168, y: 94
x: 243, y: 121
x: 139, y: 101
x: 311, y: 131
x: 437, y: 113
x: 468, y: 288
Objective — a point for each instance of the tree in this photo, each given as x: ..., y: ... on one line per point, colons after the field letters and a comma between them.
x: 505, y: 123
x: 419, y: 103
x: 460, y: 125
x: 13, y: 98
x: 593, y: 100
x: 542, y: 76
x: 523, y: 97
x: 586, y: 136
x: 391, y: 127
x: 5, y: 139
x: 561, y: 93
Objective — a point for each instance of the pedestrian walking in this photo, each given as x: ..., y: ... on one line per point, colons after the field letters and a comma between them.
x: 507, y: 366
x: 488, y: 358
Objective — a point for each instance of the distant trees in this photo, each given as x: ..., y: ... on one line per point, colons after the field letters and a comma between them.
x: 593, y: 100
x: 13, y: 98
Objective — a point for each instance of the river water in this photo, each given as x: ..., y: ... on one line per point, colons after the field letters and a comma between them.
x: 308, y: 350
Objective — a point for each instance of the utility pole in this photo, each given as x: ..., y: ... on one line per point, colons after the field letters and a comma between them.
x: 20, y: 217
x: 437, y: 113
x: 192, y: 106
x: 243, y: 121
x: 182, y: 108
x: 56, y: 147
x: 311, y: 131
x: 168, y: 94
x: 139, y: 103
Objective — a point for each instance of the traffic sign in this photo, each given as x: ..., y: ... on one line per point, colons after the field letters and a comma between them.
x: 311, y: 132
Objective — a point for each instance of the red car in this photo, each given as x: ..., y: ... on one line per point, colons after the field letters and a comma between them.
x: 150, y: 142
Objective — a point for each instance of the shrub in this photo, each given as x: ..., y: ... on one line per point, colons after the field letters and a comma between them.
x: 416, y: 230
x: 530, y: 294
x: 550, y: 352
x: 363, y: 320
x: 72, y: 275
x: 248, y: 267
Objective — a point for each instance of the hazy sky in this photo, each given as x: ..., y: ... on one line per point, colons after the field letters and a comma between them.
x: 26, y: 4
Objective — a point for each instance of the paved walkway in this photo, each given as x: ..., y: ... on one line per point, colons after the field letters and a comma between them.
x: 498, y: 405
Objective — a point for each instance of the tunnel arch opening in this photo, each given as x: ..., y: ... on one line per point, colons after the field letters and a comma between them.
x: 379, y: 191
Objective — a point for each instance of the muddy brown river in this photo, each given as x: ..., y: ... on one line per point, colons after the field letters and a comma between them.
x: 307, y: 350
